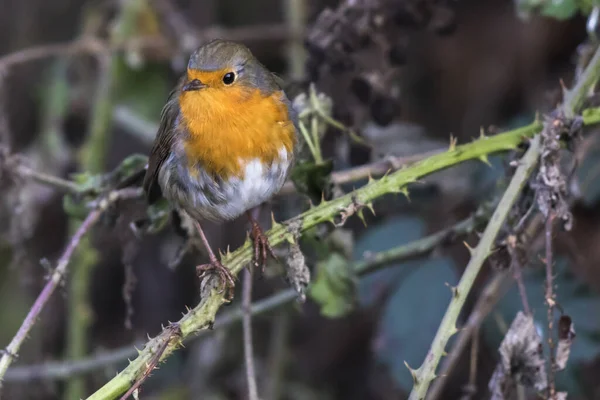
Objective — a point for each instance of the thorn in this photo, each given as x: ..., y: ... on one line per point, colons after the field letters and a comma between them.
x: 370, y: 207
x: 482, y: 133
x: 273, y: 222
x: 471, y: 250
x: 361, y: 215
x: 370, y: 178
x: 444, y: 353
x: 453, y: 141
x: 454, y: 289
x: 323, y: 201
x: 484, y: 159
x: 404, y: 191
x: 454, y: 331
x: 413, y: 372
x: 564, y: 89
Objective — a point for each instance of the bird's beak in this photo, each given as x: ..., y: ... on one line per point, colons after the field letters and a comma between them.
x: 194, y: 84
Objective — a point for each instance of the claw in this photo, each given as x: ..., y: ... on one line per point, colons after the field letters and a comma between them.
x: 225, y: 275
x: 262, y: 247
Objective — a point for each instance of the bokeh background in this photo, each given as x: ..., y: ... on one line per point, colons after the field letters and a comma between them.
x: 428, y: 70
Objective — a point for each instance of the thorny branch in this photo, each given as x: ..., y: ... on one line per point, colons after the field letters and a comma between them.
x: 490, y: 295
x: 173, y: 332
x: 426, y: 373
x: 372, y: 263
x: 10, y: 353
x: 203, y: 314
x: 538, y: 150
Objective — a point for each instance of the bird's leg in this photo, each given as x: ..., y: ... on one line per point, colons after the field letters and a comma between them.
x: 215, y: 266
x: 262, y: 248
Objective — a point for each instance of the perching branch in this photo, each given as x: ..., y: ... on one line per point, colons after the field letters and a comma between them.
x: 11, y: 352
x: 202, y: 316
x: 375, y: 262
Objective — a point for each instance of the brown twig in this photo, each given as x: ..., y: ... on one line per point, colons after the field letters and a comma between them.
x: 517, y: 271
x: 91, y: 45
x: 16, y: 165
x: 471, y: 388
x: 10, y: 353
x: 551, y: 303
x: 247, y: 327
x: 174, y: 332
x: 82, y: 45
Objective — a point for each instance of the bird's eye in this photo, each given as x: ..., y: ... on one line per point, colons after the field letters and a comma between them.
x: 228, y: 78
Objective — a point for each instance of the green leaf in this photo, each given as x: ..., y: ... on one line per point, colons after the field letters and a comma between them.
x: 130, y: 166
x: 74, y: 206
x: 144, y: 91
x: 158, y: 216
x: 313, y: 179
x: 335, y: 286
x: 560, y: 9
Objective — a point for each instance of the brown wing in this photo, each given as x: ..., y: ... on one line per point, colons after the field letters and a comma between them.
x: 162, y: 146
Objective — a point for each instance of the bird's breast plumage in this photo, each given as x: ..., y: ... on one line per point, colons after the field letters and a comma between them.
x: 228, y: 128
x: 236, y: 152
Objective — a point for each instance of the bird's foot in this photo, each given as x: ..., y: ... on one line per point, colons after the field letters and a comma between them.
x: 262, y: 247
x: 225, y: 275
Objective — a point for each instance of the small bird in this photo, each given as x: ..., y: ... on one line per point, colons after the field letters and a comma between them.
x: 226, y: 143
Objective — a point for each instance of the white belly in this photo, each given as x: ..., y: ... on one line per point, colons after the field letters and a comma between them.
x: 202, y: 196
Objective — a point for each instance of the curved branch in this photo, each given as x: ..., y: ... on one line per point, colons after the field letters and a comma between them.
x: 202, y: 316
x: 10, y: 353
x: 374, y: 262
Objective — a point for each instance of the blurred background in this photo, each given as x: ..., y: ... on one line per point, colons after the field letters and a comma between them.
x: 404, y: 75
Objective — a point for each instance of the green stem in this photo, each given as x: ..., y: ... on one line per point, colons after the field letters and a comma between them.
x: 92, y: 160
x: 378, y: 261
x: 204, y: 313
x: 572, y: 104
x: 574, y: 98
x: 426, y: 373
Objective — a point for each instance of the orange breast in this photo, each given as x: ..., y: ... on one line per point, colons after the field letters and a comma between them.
x: 228, y: 126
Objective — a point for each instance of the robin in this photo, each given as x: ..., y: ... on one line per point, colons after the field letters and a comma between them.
x: 226, y: 143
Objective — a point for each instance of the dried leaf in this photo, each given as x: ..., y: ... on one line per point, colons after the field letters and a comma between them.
x: 521, y: 360
x: 566, y: 335
x: 298, y: 274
